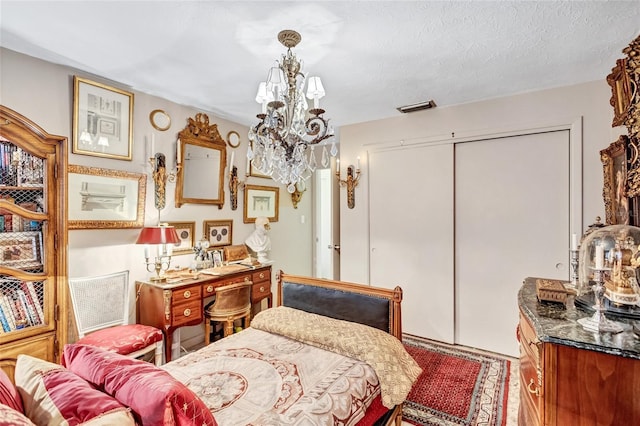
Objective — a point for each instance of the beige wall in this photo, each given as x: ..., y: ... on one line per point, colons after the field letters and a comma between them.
x: 589, y: 102
x: 43, y: 92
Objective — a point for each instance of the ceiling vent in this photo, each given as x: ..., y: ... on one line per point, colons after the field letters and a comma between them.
x: 417, y: 107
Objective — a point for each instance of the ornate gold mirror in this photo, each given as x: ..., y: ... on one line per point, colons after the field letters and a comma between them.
x: 202, y: 156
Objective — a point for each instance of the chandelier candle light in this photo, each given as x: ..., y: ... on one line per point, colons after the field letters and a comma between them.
x: 283, y: 142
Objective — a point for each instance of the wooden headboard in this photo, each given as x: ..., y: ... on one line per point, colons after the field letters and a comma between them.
x: 372, y: 306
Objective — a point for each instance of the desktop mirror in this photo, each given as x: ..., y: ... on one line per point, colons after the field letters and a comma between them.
x: 202, y: 156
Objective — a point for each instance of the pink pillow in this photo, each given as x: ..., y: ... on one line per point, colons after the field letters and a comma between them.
x: 155, y: 396
x: 53, y: 395
x: 9, y: 395
x: 11, y: 417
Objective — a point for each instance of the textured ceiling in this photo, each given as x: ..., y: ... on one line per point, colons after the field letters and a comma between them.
x: 372, y: 56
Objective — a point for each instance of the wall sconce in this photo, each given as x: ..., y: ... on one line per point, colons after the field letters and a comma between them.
x: 163, y: 237
x: 160, y: 178
x: 296, y: 195
x: 235, y: 183
x: 353, y: 178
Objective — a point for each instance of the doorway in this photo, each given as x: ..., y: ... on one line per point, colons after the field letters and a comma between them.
x: 326, y: 226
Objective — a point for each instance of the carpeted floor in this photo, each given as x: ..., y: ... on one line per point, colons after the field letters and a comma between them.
x: 461, y: 386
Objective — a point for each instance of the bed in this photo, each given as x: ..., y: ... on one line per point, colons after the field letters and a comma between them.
x: 275, y: 373
x: 329, y: 353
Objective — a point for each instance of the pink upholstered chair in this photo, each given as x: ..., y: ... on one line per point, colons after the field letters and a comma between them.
x: 101, y: 310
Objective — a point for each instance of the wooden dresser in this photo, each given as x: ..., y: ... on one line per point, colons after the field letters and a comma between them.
x: 570, y: 376
x: 170, y: 306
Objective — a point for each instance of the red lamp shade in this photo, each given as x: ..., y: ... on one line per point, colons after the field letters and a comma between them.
x: 158, y: 235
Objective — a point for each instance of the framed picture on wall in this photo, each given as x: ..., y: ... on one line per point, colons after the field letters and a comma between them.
x: 102, y: 120
x: 260, y: 201
x: 186, y: 232
x: 218, y: 232
x: 104, y: 198
x: 620, y: 92
x: 614, y: 163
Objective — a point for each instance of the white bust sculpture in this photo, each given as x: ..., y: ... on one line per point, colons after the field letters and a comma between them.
x: 259, y: 240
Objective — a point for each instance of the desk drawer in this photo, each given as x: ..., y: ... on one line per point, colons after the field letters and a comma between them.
x: 193, y: 292
x: 233, y: 280
x: 260, y: 290
x: 258, y: 277
x: 190, y: 311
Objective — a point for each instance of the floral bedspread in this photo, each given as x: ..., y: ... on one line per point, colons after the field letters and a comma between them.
x: 259, y: 378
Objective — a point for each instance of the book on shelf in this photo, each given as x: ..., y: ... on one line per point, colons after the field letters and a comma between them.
x: 32, y: 318
x: 7, y: 312
x: 3, y: 321
x: 18, y: 311
x: 32, y: 296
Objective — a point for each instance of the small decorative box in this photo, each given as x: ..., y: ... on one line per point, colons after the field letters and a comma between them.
x: 549, y: 290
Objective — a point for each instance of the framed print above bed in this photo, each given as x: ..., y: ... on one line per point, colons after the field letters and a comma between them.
x: 103, y: 198
x: 260, y: 201
x: 102, y: 120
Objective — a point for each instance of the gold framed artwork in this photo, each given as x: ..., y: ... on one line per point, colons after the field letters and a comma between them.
x: 614, y: 163
x: 260, y: 201
x: 218, y: 232
x: 186, y: 232
x: 620, y: 92
x: 104, y: 198
x: 102, y: 120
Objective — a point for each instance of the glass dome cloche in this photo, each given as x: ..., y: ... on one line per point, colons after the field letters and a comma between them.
x: 615, y: 250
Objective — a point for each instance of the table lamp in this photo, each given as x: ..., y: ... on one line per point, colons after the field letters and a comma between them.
x: 163, y: 237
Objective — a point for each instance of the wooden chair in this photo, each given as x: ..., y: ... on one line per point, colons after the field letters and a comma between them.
x: 232, y: 302
x: 101, y: 310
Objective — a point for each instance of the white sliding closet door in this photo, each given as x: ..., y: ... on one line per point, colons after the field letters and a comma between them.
x: 512, y: 221
x: 411, y: 234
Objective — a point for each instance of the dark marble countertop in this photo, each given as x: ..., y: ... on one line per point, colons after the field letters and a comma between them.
x: 556, y: 324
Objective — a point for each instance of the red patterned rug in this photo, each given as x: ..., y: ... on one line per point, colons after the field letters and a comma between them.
x: 457, y: 386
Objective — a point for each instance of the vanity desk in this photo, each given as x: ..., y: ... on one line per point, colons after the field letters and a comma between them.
x: 571, y: 376
x: 169, y: 306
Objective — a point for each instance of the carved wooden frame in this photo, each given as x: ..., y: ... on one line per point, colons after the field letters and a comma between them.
x: 254, y: 194
x: 200, y: 133
x: 135, y: 185
x: 620, y: 92
x: 186, y: 232
x: 614, y: 191
x: 218, y: 232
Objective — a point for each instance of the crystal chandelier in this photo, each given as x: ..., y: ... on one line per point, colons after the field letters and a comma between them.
x: 283, y: 142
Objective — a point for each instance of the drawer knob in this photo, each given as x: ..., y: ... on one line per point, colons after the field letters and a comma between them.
x: 261, y: 274
x: 261, y: 289
x: 187, y: 312
x: 187, y: 294
x: 532, y: 388
x: 246, y: 279
x: 209, y: 289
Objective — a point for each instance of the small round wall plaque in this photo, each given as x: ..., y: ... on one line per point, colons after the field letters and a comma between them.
x: 160, y: 120
x: 233, y: 139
